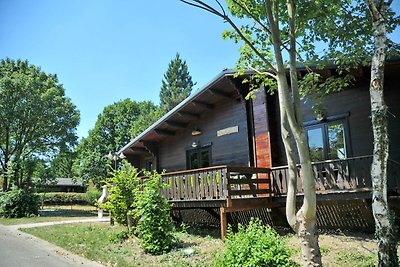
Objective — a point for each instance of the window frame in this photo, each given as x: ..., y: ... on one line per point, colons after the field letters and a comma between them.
x: 324, y: 125
x: 198, y: 151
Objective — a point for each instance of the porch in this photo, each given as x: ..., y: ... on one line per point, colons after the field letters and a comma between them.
x: 232, y: 189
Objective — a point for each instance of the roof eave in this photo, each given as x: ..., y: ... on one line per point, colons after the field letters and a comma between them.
x: 221, y: 75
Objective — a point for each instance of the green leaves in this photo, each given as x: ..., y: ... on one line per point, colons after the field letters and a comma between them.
x: 256, y: 245
x: 35, y: 115
x: 114, y: 128
x: 122, y: 186
x: 152, y: 212
x: 18, y: 203
x: 176, y: 85
x: 313, y: 87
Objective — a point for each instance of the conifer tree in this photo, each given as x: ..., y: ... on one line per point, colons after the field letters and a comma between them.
x: 176, y: 85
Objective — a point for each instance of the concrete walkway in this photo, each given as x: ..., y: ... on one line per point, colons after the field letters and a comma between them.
x: 18, y: 249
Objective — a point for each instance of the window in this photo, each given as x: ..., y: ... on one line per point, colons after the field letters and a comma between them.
x: 199, y: 158
x: 327, y: 141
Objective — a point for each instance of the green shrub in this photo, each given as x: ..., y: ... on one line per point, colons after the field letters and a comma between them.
x: 18, y: 203
x: 154, y: 223
x: 62, y: 198
x: 254, y: 246
x: 91, y: 197
x: 121, y: 186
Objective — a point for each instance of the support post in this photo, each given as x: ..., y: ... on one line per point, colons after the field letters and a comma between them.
x: 224, y: 223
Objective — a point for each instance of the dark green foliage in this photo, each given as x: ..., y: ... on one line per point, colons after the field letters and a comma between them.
x: 144, y: 120
x: 111, y: 132
x: 36, y: 118
x: 18, y: 203
x: 154, y: 222
x: 91, y: 197
x: 122, y: 187
x: 63, y: 198
x: 256, y: 245
x: 176, y: 85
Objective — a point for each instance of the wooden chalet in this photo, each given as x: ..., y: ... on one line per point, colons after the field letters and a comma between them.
x: 224, y: 155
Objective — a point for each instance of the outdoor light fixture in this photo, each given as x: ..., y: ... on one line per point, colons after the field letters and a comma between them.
x: 115, y: 156
x: 196, y: 131
x: 195, y: 144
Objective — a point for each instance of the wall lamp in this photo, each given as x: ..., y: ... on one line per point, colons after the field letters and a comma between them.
x: 196, y: 131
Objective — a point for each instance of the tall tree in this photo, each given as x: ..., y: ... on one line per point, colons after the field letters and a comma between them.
x: 176, y: 85
x: 363, y: 32
x: 35, y: 115
x: 385, y: 228
x: 111, y: 131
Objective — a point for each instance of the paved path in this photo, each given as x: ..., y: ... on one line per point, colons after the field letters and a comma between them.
x: 18, y: 249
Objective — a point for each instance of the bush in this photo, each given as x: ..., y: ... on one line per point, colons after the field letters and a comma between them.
x: 154, y: 223
x: 18, y: 203
x: 121, y: 186
x: 63, y: 198
x: 254, y: 246
x: 91, y: 197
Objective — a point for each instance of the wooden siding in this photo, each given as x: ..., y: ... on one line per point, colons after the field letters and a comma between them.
x: 232, y: 149
x: 261, y: 131
x: 354, y: 101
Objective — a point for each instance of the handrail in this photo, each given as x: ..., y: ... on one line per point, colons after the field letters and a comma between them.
x: 339, y: 174
x: 328, y: 161
x: 195, y: 170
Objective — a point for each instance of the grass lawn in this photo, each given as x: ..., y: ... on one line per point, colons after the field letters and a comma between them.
x: 55, y: 213
x: 195, y: 247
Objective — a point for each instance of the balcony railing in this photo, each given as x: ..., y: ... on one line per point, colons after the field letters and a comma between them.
x: 341, y: 174
x: 217, y: 183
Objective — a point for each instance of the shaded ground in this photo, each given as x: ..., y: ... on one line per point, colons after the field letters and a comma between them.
x: 55, y: 213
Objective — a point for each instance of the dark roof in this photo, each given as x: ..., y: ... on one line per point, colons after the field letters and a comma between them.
x: 223, y: 85
x: 65, y: 182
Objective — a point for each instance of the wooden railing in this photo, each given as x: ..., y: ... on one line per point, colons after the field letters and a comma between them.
x: 199, y: 184
x: 342, y: 174
x: 216, y: 183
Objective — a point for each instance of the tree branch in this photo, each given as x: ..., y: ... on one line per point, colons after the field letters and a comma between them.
x: 263, y: 73
x: 204, y: 6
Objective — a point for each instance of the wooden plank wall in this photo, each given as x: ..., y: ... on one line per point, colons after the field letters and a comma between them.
x: 355, y: 101
x: 262, y: 149
x: 261, y: 131
x: 230, y: 149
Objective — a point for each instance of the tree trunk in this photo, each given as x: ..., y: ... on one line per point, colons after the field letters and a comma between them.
x: 304, y: 222
x: 384, y: 224
x: 5, y: 180
x: 5, y: 174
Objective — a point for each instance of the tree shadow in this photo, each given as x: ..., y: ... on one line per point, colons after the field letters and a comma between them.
x: 67, y: 213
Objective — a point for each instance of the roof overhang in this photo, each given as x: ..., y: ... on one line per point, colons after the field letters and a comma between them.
x: 223, y: 86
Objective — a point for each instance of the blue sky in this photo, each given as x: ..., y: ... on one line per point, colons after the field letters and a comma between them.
x: 103, y: 51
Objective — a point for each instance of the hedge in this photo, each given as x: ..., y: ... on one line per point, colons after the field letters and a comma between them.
x: 63, y: 198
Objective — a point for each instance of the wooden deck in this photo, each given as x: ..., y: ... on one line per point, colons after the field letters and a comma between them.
x: 233, y: 189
